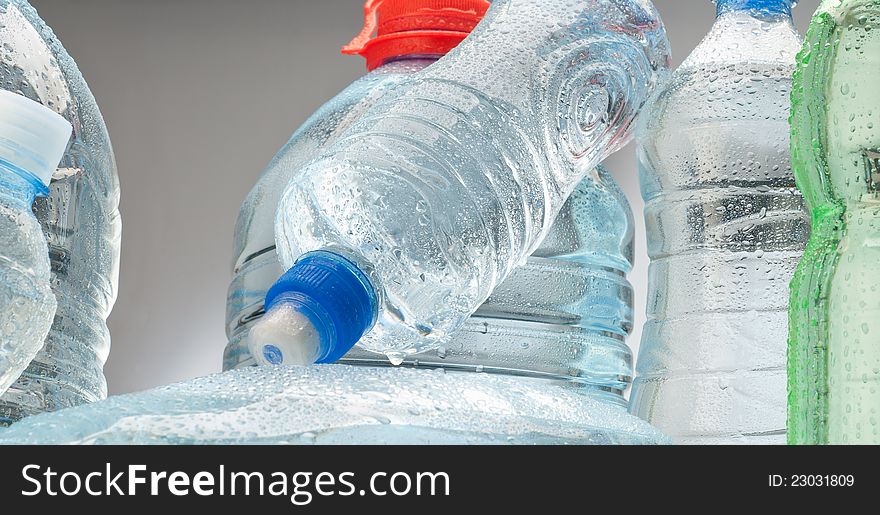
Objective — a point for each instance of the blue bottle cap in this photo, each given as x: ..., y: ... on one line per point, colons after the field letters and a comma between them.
x: 317, y: 311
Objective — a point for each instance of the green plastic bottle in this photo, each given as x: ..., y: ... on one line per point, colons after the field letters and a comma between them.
x: 834, y: 347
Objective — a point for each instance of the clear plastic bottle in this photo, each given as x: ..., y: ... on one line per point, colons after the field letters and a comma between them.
x: 834, y: 351
x: 441, y: 25
x: 80, y: 219
x: 726, y: 228
x: 32, y: 140
x: 434, y: 196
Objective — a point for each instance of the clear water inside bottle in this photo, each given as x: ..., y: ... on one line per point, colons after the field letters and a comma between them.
x: 726, y: 228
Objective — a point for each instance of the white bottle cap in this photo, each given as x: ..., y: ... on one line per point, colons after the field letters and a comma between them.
x: 284, y: 336
x: 32, y: 137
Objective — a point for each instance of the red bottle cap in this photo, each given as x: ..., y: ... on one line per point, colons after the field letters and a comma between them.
x: 414, y: 27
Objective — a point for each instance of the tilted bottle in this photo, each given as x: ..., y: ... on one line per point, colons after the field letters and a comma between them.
x: 32, y: 140
x: 80, y: 219
x: 726, y: 228
x: 410, y: 35
x: 404, y: 226
x: 544, y: 360
x: 834, y: 348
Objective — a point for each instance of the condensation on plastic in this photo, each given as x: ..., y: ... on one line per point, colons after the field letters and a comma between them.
x: 444, y: 189
x: 80, y: 219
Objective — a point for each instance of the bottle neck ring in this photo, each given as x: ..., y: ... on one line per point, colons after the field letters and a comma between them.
x: 418, y: 61
x: 393, y: 47
x: 20, y: 185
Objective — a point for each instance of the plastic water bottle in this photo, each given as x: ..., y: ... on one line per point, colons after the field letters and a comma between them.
x: 411, y: 35
x: 80, y: 219
x: 32, y: 141
x: 726, y: 228
x: 407, y: 223
x: 834, y: 352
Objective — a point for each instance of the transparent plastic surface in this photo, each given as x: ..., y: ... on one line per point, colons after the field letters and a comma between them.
x: 445, y: 188
x: 834, y: 356
x: 565, y: 313
x: 726, y: 228
x: 557, y: 325
x: 27, y: 304
x: 338, y: 404
x: 80, y: 220
x: 256, y: 265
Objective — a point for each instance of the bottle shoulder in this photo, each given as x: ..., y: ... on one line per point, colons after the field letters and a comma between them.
x: 732, y: 72
x: 722, y: 118
x: 595, y: 226
x: 707, y: 92
x: 740, y: 38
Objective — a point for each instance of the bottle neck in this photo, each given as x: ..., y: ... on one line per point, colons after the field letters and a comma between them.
x: 756, y: 8
x: 411, y: 63
x: 18, y: 188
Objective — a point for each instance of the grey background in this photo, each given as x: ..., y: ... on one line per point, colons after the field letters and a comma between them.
x: 198, y: 96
